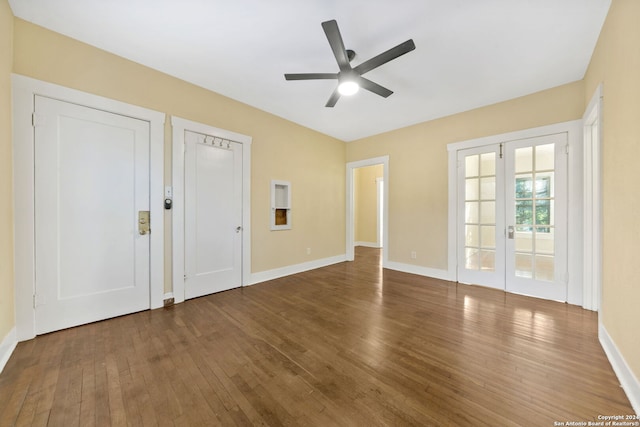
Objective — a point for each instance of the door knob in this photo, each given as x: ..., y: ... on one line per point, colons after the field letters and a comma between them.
x: 238, y: 229
x: 510, y: 232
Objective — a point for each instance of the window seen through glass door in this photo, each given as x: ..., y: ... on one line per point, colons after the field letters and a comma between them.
x: 534, y: 212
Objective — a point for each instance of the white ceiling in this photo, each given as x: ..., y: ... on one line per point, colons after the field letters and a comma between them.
x: 469, y: 53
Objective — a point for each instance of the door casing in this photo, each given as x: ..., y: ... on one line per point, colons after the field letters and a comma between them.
x: 24, y: 90
x: 593, y: 202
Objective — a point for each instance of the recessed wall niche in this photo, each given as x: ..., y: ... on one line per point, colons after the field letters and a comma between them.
x: 280, y: 205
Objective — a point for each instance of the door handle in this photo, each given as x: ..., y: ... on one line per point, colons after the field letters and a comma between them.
x: 144, y: 226
x: 238, y: 229
x: 510, y: 232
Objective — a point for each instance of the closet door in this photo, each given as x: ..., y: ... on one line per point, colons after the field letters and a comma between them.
x: 213, y: 214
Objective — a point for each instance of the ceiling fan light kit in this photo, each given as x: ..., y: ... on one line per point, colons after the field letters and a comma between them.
x: 350, y: 78
x: 348, y: 88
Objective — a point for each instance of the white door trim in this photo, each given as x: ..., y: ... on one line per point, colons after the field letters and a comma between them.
x: 574, y: 138
x: 24, y: 90
x: 179, y: 127
x: 380, y: 212
x: 351, y: 166
x: 592, y: 209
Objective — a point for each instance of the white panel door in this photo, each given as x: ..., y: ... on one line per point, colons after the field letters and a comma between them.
x: 91, y: 180
x: 213, y: 214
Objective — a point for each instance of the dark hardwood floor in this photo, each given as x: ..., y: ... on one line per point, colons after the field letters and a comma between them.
x: 345, y: 345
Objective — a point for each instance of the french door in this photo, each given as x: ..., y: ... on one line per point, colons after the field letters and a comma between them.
x: 481, y: 211
x: 512, y: 216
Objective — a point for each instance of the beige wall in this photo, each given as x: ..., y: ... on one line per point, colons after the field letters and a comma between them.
x: 312, y: 162
x: 616, y: 64
x: 365, y: 219
x: 418, y: 165
x: 6, y: 187
x: 315, y: 163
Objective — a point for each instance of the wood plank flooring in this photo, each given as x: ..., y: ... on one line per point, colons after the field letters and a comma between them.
x: 346, y: 345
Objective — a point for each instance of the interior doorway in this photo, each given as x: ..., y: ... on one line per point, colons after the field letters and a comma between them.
x: 367, y: 205
x: 368, y: 198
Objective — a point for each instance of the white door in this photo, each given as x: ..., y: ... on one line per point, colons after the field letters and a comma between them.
x: 536, y: 207
x: 512, y: 216
x: 481, y: 251
x: 91, y: 180
x: 213, y: 214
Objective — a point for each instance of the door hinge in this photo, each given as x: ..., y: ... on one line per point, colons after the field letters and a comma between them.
x: 38, y: 300
x: 37, y: 119
x: 501, y: 145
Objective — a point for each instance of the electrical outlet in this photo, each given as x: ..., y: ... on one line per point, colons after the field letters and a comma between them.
x: 414, y: 255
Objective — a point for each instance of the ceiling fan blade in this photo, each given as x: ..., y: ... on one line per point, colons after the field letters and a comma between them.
x: 333, y: 98
x: 337, y: 45
x: 311, y: 76
x: 385, y: 57
x: 374, y: 87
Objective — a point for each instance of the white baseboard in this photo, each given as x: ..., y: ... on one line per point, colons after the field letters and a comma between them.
x: 628, y: 380
x: 263, y: 276
x: 420, y: 271
x: 7, y: 346
x: 367, y: 244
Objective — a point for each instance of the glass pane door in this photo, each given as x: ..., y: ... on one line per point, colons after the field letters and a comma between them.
x: 481, y: 217
x: 535, y: 195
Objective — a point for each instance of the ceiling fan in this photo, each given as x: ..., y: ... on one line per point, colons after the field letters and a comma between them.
x: 350, y: 78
